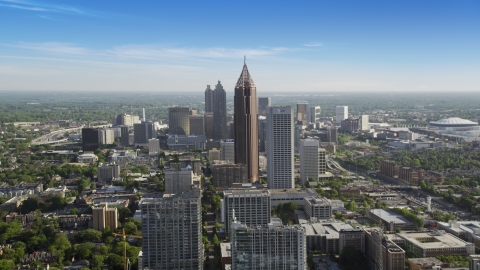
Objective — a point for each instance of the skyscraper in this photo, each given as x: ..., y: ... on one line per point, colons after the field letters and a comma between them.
x: 252, y: 207
x: 315, y: 114
x: 364, y: 122
x: 302, y: 113
x: 143, y: 131
x: 208, y: 99
x: 280, y: 165
x: 125, y: 136
x: 197, y: 124
x: 309, y: 160
x: 268, y: 247
x: 342, y: 113
x: 219, y: 112
x: 208, y: 122
x: 263, y: 103
x: 179, y: 120
x: 172, y: 231
x: 246, y: 124
x: 90, y: 139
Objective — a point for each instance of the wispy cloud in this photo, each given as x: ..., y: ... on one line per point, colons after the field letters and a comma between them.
x: 51, y: 47
x: 34, y: 6
x: 313, y: 44
x: 45, y: 17
x: 151, y: 52
x: 158, y: 51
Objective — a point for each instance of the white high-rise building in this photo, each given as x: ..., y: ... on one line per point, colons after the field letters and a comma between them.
x: 251, y: 207
x: 314, y: 114
x: 227, y: 151
x: 280, y: 147
x: 273, y: 246
x: 342, y: 113
x: 312, y: 160
x: 172, y: 231
x: 364, y: 124
x: 153, y: 146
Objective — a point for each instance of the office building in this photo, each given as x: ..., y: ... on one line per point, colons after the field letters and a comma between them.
x: 332, y: 134
x: 312, y: 160
x: 246, y: 124
x: 143, y: 131
x: 350, y: 124
x: 317, y: 208
x: 262, y: 133
x: 104, y: 217
x: 219, y: 112
x: 280, y: 165
x: 197, y: 126
x: 214, y: 154
x: 302, y: 113
x: 263, y: 104
x: 435, y: 243
x: 108, y: 173
x: 178, y: 181
x: 364, y: 122
x: 124, y: 119
x: 125, y: 136
x: 90, y: 139
x: 390, y: 220
x: 208, y: 120
x: 271, y: 246
x: 341, y: 114
x: 252, y: 207
x: 352, y: 237
x: 179, y: 120
x: 209, y: 100
x: 227, y: 151
x: 106, y: 136
x: 186, y: 142
x: 224, y: 175
x: 172, y: 231
x: 314, y: 114
x: 325, y: 236
x: 153, y: 146
x: 382, y: 253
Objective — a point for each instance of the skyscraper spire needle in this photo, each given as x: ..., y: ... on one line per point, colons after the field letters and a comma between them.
x: 244, y: 59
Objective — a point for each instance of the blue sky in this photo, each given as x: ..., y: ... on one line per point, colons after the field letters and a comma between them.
x: 291, y: 46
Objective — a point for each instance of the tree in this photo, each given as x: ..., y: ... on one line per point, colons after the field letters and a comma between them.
x: 74, y: 211
x: 90, y: 235
x: 60, y: 242
x: 130, y: 228
x: 29, y: 205
x: 84, y: 250
x: 115, y: 260
x: 97, y: 261
x: 6, y: 265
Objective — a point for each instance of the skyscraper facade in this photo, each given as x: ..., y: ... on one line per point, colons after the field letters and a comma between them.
x: 263, y: 103
x: 143, y: 131
x: 262, y: 133
x: 208, y: 121
x: 315, y: 114
x: 208, y: 99
x: 268, y: 247
x: 90, y: 139
x: 179, y: 120
x: 302, y: 113
x: 280, y: 165
x: 125, y: 136
x: 246, y: 124
x: 172, y: 231
x: 364, y: 122
x: 197, y: 126
x: 341, y: 114
x: 309, y: 160
x: 219, y: 112
x: 251, y: 207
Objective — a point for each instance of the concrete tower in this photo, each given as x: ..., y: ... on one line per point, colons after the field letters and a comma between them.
x: 280, y: 165
x: 208, y: 99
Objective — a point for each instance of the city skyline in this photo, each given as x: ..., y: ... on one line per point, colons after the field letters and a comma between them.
x: 323, y: 47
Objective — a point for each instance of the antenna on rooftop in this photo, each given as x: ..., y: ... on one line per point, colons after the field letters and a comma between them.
x: 144, y: 114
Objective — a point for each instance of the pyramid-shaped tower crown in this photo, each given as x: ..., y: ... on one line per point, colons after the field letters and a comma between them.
x: 245, y: 78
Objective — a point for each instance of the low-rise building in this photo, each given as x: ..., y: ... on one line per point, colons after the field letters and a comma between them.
x: 87, y: 158
x: 390, y: 220
x: 291, y: 195
x: 325, y: 236
x: 317, y: 207
x: 352, y: 237
x: 434, y: 243
x: 381, y: 252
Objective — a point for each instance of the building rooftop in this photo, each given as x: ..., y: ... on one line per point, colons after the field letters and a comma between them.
x: 329, y: 230
x: 243, y: 192
x: 453, y: 121
x: 435, y: 239
x: 226, y: 250
x: 292, y: 191
x: 389, y: 216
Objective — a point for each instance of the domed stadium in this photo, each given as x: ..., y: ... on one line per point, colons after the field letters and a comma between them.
x: 453, y: 122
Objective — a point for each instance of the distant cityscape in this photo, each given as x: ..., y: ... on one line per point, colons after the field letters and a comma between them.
x: 256, y: 186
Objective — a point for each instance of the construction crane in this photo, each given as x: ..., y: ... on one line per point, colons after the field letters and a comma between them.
x: 124, y: 236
